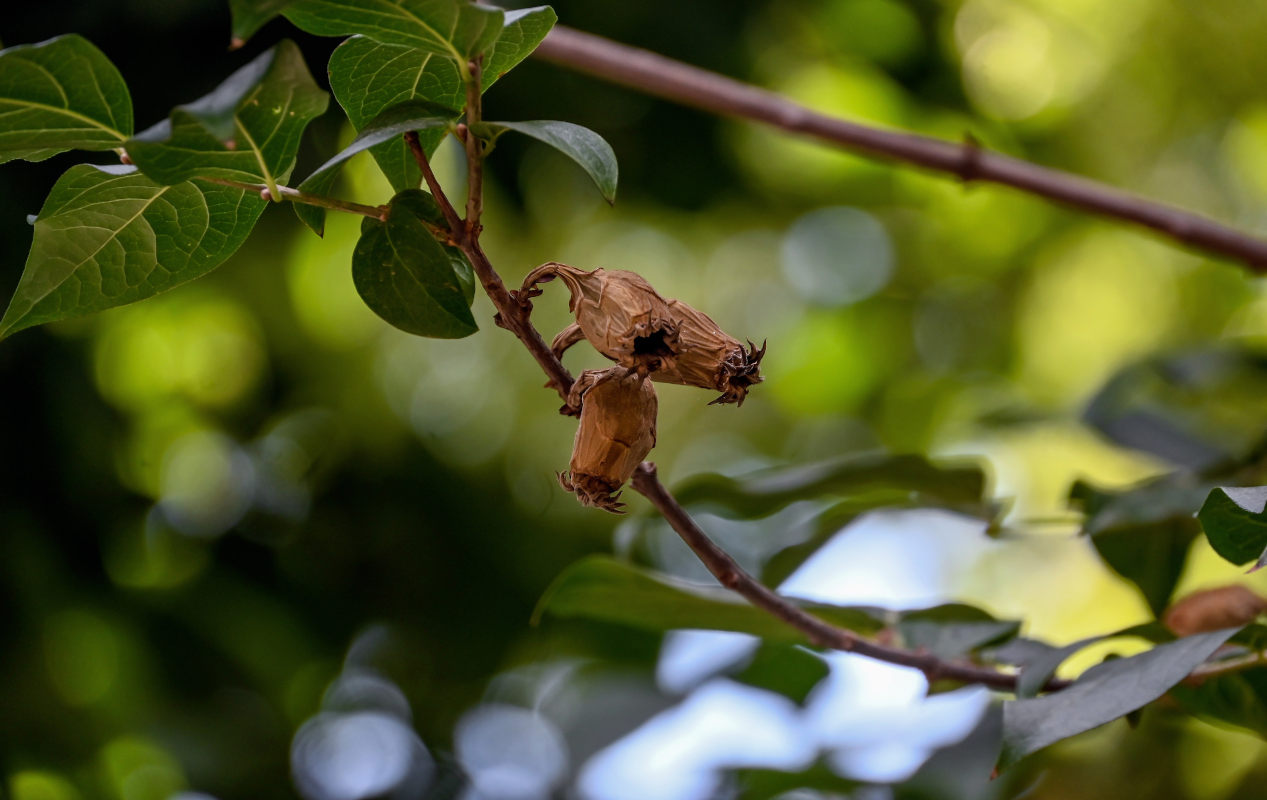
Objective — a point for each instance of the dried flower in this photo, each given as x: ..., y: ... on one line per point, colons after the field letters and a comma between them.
x: 617, y: 430
x: 626, y: 320
x: 1214, y: 609
x: 617, y: 311
x: 709, y: 358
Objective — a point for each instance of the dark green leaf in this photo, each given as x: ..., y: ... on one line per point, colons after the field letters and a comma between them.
x: 250, y: 15
x: 60, y: 95
x: 952, y: 630
x: 1144, y: 533
x: 413, y: 115
x: 786, y: 669
x: 767, y: 784
x: 405, y: 276
x: 248, y: 129
x: 368, y: 77
x: 1201, y: 409
x: 918, y: 481
x: 109, y: 236
x: 1235, y: 522
x: 606, y: 589
x: 578, y: 143
x: 1237, y: 698
x: 523, y: 31
x: 456, y: 30
x: 1104, y: 693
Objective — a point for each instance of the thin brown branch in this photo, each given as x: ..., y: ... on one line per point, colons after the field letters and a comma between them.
x: 820, y: 633
x: 474, y: 150
x: 660, y: 76
x: 511, y: 314
x: 296, y: 196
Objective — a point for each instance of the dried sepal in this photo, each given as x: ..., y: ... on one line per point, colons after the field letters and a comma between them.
x: 617, y: 311
x: 1214, y: 609
x: 617, y: 429
x: 710, y: 358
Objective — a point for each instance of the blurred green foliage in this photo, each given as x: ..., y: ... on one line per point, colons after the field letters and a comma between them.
x: 217, y: 505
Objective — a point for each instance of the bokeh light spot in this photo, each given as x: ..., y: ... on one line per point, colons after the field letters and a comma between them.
x: 836, y: 256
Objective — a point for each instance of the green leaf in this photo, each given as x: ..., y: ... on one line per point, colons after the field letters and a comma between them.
x: 414, y: 115
x: 1238, y: 698
x: 405, y: 276
x: 109, y: 235
x: 248, y: 129
x: 369, y: 77
x: 902, y: 479
x: 250, y: 15
x: 523, y: 31
x: 578, y: 143
x: 1235, y: 523
x: 952, y: 630
x: 1103, y: 693
x: 453, y: 29
x: 1144, y: 533
x: 60, y: 95
x: 613, y: 591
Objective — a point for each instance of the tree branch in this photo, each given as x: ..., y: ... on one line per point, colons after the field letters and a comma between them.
x: 658, y: 75
x: 296, y: 196
x: 823, y: 634
x: 474, y: 150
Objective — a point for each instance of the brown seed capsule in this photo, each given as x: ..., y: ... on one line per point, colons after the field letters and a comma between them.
x: 709, y: 358
x: 1214, y: 609
x: 617, y: 311
x: 625, y: 319
x: 617, y: 430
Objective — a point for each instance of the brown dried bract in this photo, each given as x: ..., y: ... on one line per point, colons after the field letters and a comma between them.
x: 1214, y: 609
x: 709, y: 358
x: 617, y: 430
x: 620, y: 314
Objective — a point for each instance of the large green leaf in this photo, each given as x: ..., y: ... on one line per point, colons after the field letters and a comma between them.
x: 603, y: 588
x: 248, y: 129
x: 405, y: 276
x: 582, y: 145
x: 250, y: 15
x: 1235, y: 522
x: 523, y: 31
x: 1144, y: 533
x: 455, y: 29
x: 60, y: 95
x: 1103, y: 693
x: 109, y: 235
x: 413, y: 115
x: 369, y: 77
x: 901, y: 479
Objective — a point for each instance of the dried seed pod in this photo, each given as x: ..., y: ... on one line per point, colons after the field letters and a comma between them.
x: 1214, y: 609
x: 617, y: 311
x: 617, y: 430
x: 709, y: 358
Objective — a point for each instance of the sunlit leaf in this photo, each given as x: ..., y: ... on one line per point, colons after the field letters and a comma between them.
x: 60, y: 95
x: 1235, y: 522
x: 1102, y: 694
x: 582, y: 145
x: 414, y: 115
x: 248, y: 129
x: 613, y: 591
x: 369, y: 77
x: 405, y: 276
x: 523, y: 31
x: 251, y: 15
x: 456, y: 30
x: 109, y: 236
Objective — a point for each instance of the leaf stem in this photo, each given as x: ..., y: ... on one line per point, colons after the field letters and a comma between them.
x: 296, y: 196
x: 474, y: 149
x: 659, y: 76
